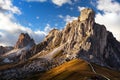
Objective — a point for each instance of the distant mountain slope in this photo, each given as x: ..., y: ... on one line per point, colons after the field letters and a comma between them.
x: 4, y: 49
x: 24, y: 44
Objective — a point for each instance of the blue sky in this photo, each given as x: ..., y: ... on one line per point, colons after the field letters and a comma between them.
x: 37, y: 14
x: 38, y: 17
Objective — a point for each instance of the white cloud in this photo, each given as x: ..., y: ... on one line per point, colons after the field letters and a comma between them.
x: 6, y: 5
x: 37, y: 17
x: 67, y: 18
x: 61, y: 2
x: 61, y: 16
x: 10, y: 30
x: 108, y: 6
x: 56, y: 2
x: 47, y: 28
x: 80, y: 8
x: 111, y: 16
x: 36, y: 0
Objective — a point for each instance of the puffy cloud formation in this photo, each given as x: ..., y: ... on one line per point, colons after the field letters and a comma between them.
x: 56, y: 2
x: 6, y: 5
x: 80, y: 8
x: 61, y: 2
x: 10, y: 30
x: 110, y: 17
x: 67, y: 18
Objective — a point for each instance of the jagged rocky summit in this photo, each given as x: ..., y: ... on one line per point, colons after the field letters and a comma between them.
x: 82, y: 38
x: 18, y: 53
x: 24, y: 40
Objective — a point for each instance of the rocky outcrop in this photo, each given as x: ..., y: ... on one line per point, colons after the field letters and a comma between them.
x: 4, y: 49
x: 82, y: 38
x: 23, y: 45
x: 23, y: 71
x: 24, y: 40
x: 85, y: 39
x: 87, y: 14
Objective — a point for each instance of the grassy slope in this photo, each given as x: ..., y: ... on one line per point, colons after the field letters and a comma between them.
x: 73, y: 70
x: 113, y: 75
x: 76, y: 70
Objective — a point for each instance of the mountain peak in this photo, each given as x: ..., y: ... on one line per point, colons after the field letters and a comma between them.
x: 87, y: 14
x: 24, y: 40
x: 85, y: 39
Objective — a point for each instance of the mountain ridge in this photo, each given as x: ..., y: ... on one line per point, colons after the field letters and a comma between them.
x: 24, y: 40
x: 85, y: 39
x: 24, y: 44
x: 80, y: 39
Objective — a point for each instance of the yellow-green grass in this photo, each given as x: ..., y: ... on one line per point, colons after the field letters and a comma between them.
x: 74, y: 70
x: 77, y: 69
x: 112, y: 74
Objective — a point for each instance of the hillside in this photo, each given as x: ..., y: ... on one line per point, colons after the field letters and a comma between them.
x: 78, y: 69
x: 81, y: 38
x: 92, y: 52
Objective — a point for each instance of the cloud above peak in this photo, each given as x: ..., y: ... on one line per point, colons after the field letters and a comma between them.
x: 110, y: 17
x: 67, y: 18
x: 80, y: 8
x: 108, y: 6
x: 10, y: 29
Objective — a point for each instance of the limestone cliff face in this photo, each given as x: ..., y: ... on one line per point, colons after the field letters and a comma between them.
x: 82, y: 38
x: 24, y: 40
x: 85, y: 39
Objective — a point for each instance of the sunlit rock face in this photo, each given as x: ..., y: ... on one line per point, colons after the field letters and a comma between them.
x: 87, y: 14
x: 85, y: 39
x: 82, y: 38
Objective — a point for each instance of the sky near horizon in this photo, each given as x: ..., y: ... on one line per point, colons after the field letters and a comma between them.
x: 38, y: 17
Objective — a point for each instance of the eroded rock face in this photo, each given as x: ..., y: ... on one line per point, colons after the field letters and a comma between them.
x: 82, y: 38
x: 23, y: 71
x: 87, y: 14
x: 4, y: 49
x: 24, y: 40
x: 85, y: 39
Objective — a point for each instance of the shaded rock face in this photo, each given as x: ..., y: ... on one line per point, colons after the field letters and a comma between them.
x: 82, y: 38
x: 85, y: 39
x: 4, y: 49
x: 23, y: 71
x: 24, y: 40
